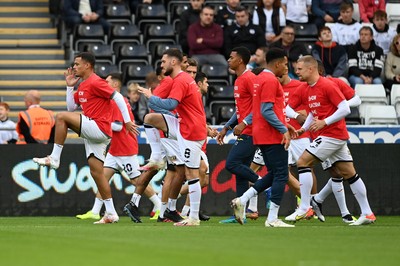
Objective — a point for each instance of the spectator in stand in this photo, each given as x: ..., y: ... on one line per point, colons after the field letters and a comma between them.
x: 226, y: 16
x: 325, y: 11
x: 36, y: 124
x: 188, y: 17
x: 392, y: 64
x: 383, y: 34
x: 365, y: 60
x: 258, y: 59
x: 243, y: 33
x: 193, y: 68
x: 7, y: 127
x: 293, y: 49
x: 369, y: 7
x: 346, y: 31
x: 271, y: 18
x: 84, y: 11
x: 138, y: 103
x: 296, y: 11
x: 332, y: 55
x: 205, y: 39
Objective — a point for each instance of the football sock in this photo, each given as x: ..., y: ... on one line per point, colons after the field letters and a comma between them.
x: 153, y: 137
x: 253, y: 203
x: 273, y: 212
x: 185, y: 210
x: 195, y: 197
x: 98, y: 203
x: 251, y: 192
x: 56, y: 153
x: 163, y: 207
x: 172, y: 204
x: 136, y: 199
x: 306, y: 182
x: 360, y: 193
x: 109, y: 206
x: 338, y: 191
x: 156, y: 202
x: 325, y: 192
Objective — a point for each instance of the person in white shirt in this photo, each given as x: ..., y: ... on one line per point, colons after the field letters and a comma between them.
x: 8, y: 134
x: 383, y: 34
x: 296, y: 11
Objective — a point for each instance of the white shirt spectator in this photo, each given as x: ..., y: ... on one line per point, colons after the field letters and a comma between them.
x: 384, y: 39
x: 7, y: 131
x: 345, y: 34
x: 268, y: 14
x: 296, y: 10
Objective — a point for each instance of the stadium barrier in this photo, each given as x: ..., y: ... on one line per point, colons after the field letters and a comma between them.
x: 29, y: 190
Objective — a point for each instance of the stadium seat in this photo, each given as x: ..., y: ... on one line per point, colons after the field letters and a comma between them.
x: 103, y: 69
x: 125, y: 33
x: 306, y: 32
x: 220, y: 92
x: 380, y: 115
x: 354, y: 117
x: 159, y: 33
x: 395, y: 98
x: 132, y: 53
x: 177, y: 11
x: 150, y: 14
x: 216, y: 73
x: 393, y: 12
x: 102, y: 52
x: 370, y: 94
x: 118, y: 13
x: 136, y: 72
x: 356, y: 12
x: 221, y: 111
x: 89, y: 33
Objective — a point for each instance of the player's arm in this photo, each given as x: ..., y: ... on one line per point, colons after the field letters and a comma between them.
x: 166, y: 104
x: 343, y: 109
x: 269, y: 115
x: 355, y: 101
x: 116, y: 126
x: 248, y: 120
x: 119, y: 100
x: 71, y: 105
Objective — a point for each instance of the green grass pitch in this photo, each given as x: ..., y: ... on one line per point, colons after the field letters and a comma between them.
x: 68, y: 241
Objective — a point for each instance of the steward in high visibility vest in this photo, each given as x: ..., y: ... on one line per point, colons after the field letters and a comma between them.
x: 35, y: 125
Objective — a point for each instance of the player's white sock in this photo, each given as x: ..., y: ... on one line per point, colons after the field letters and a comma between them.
x: 98, y: 203
x: 306, y: 182
x: 253, y: 203
x: 156, y: 202
x: 360, y: 193
x: 136, y: 199
x: 109, y: 206
x: 273, y: 212
x: 56, y: 153
x: 153, y: 137
x: 163, y: 207
x: 194, y: 197
x: 185, y: 210
x: 251, y: 192
x: 338, y: 191
x: 325, y: 191
x: 172, y: 204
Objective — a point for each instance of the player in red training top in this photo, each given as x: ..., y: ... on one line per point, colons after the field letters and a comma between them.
x: 242, y: 152
x: 190, y: 130
x: 121, y: 156
x: 327, y: 109
x: 271, y: 135
x: 94, y: 96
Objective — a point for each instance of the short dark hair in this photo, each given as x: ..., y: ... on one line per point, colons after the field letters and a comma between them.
x: 368, y: 28
x: 200, y: 76
x: 275, y: 54
x: 87, y: 57
x: 346, y: 5
x: 192, y: 62
x: 244, y: 53
x: 174, y: 52
x: 115, y: 76
x: 380, y: 14
x: 158, y: 70
x: 5, y: 105
x: 241, y: 9
x: 322, y: 29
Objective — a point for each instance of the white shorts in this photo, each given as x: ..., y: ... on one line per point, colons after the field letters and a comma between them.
x: 296, y: 149
x: 258, y: 158
x: 189, y: 150
x: 329, y: 148
x: 95, y: 140
x: 204, y: 157
x: 128, y: 164
x: 171, y: 150
x: 326, y: 164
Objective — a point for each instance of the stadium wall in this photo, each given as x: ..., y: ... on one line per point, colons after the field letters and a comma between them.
x: 28, y: 190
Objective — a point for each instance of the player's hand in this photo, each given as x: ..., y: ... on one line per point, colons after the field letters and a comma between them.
x: 212, y: 132
x: 286, y: 140
x: 70, y: 77
x: 317, y: 125
x: 145, y: 92
x: 132, y: 128
x: 292, y: 131
x: 237, y: 130
x: 300, y: 131
x: 221, y: 135
x: 301, y: 118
